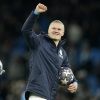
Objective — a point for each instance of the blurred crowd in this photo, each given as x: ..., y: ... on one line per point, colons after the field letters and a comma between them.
x: 81, y: 19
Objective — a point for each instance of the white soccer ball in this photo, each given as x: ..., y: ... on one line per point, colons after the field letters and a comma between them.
x: 1, y: 65
x: 1, y: 68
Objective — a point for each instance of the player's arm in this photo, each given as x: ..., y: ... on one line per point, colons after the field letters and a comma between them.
x: 74, y: 85
x: 28, y: 29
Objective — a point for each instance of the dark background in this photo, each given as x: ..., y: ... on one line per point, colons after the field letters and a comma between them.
x: 82, y: 23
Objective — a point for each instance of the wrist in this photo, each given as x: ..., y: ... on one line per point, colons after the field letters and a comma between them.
x: 36, y: 12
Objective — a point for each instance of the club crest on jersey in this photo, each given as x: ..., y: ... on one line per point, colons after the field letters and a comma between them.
x: 60, y: 54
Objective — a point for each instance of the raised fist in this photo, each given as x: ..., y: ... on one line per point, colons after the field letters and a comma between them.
x: 40, y: 8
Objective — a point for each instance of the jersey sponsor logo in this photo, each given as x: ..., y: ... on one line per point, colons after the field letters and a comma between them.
x: 60, y: 54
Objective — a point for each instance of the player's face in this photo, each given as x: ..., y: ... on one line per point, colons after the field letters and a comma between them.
x: 56, y: 31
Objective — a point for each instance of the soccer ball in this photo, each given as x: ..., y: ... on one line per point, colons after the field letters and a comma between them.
x: 1, y: 68
x: 66, y: 76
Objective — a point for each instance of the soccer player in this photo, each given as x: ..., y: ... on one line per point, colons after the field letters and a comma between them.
x: 47, y: 56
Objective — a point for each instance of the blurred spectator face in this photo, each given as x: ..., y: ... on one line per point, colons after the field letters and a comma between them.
x: 74, y: 33
x: 56, y: 30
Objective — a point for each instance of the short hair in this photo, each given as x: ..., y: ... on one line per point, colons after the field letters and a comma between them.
x: 57, y: 21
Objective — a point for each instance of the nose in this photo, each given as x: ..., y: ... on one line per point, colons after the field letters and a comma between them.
x: 56, y: 30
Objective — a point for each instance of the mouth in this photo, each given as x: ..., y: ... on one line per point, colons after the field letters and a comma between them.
x: 56, y: 33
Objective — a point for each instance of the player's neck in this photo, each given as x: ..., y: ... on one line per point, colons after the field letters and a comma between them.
x: 56, y: 43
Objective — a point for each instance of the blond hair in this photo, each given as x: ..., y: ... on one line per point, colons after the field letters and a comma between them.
x: 57, y: 21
